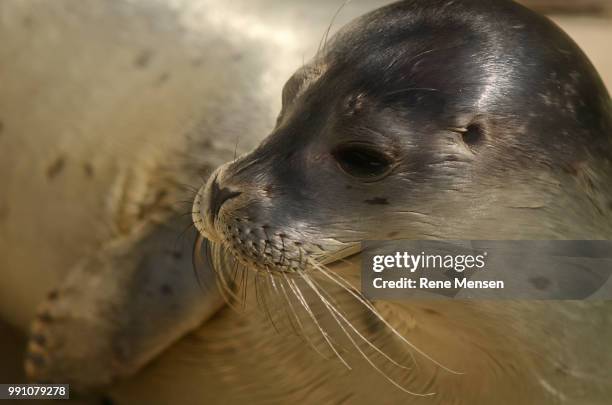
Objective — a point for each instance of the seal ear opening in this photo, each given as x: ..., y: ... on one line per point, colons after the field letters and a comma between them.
x: 473, y: 135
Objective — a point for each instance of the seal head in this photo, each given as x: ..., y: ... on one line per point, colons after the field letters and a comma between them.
x: 423, y: 119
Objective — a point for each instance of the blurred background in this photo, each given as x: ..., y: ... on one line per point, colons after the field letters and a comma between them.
x: 30, y: 23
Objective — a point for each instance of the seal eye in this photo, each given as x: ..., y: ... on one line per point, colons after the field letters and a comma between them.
x: 362, y: 161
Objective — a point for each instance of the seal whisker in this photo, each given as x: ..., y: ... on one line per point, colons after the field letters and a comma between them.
x: 256, y: 287
x: 196, y: 257
x: 351, y: 290
x: 303, y: 332
x: 335, y: 313
x: 347, y: 286
x: 264, y: 300
x: 244, y: 285
x: 299, y: 295
x: 335, y: 309
x: 236, y: 148
x: 190, y: 213
x: 284, y: 296
x: 187, y: 187
x: 292, y: 316
x: 184, y: 232
x: 235, y: 275
x: 177, y: 202
x: 272, y: 280
x: 323, y: 42
x: 228, y: 294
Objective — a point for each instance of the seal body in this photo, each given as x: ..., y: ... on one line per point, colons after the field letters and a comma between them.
x: 104, y: 147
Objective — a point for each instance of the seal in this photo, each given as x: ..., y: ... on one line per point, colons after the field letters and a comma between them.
x: 421, y: 120
x: 125, y: 293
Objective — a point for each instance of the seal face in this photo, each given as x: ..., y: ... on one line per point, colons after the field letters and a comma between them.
x: 423, y: 120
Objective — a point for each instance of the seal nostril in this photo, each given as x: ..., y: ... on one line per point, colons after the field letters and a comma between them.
x: 218, y: 196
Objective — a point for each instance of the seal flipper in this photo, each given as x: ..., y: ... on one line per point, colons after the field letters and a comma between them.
x: 119, y: 309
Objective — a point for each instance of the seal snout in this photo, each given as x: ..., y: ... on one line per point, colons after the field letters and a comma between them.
x: 218, y: 196
x: 209, y: 201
